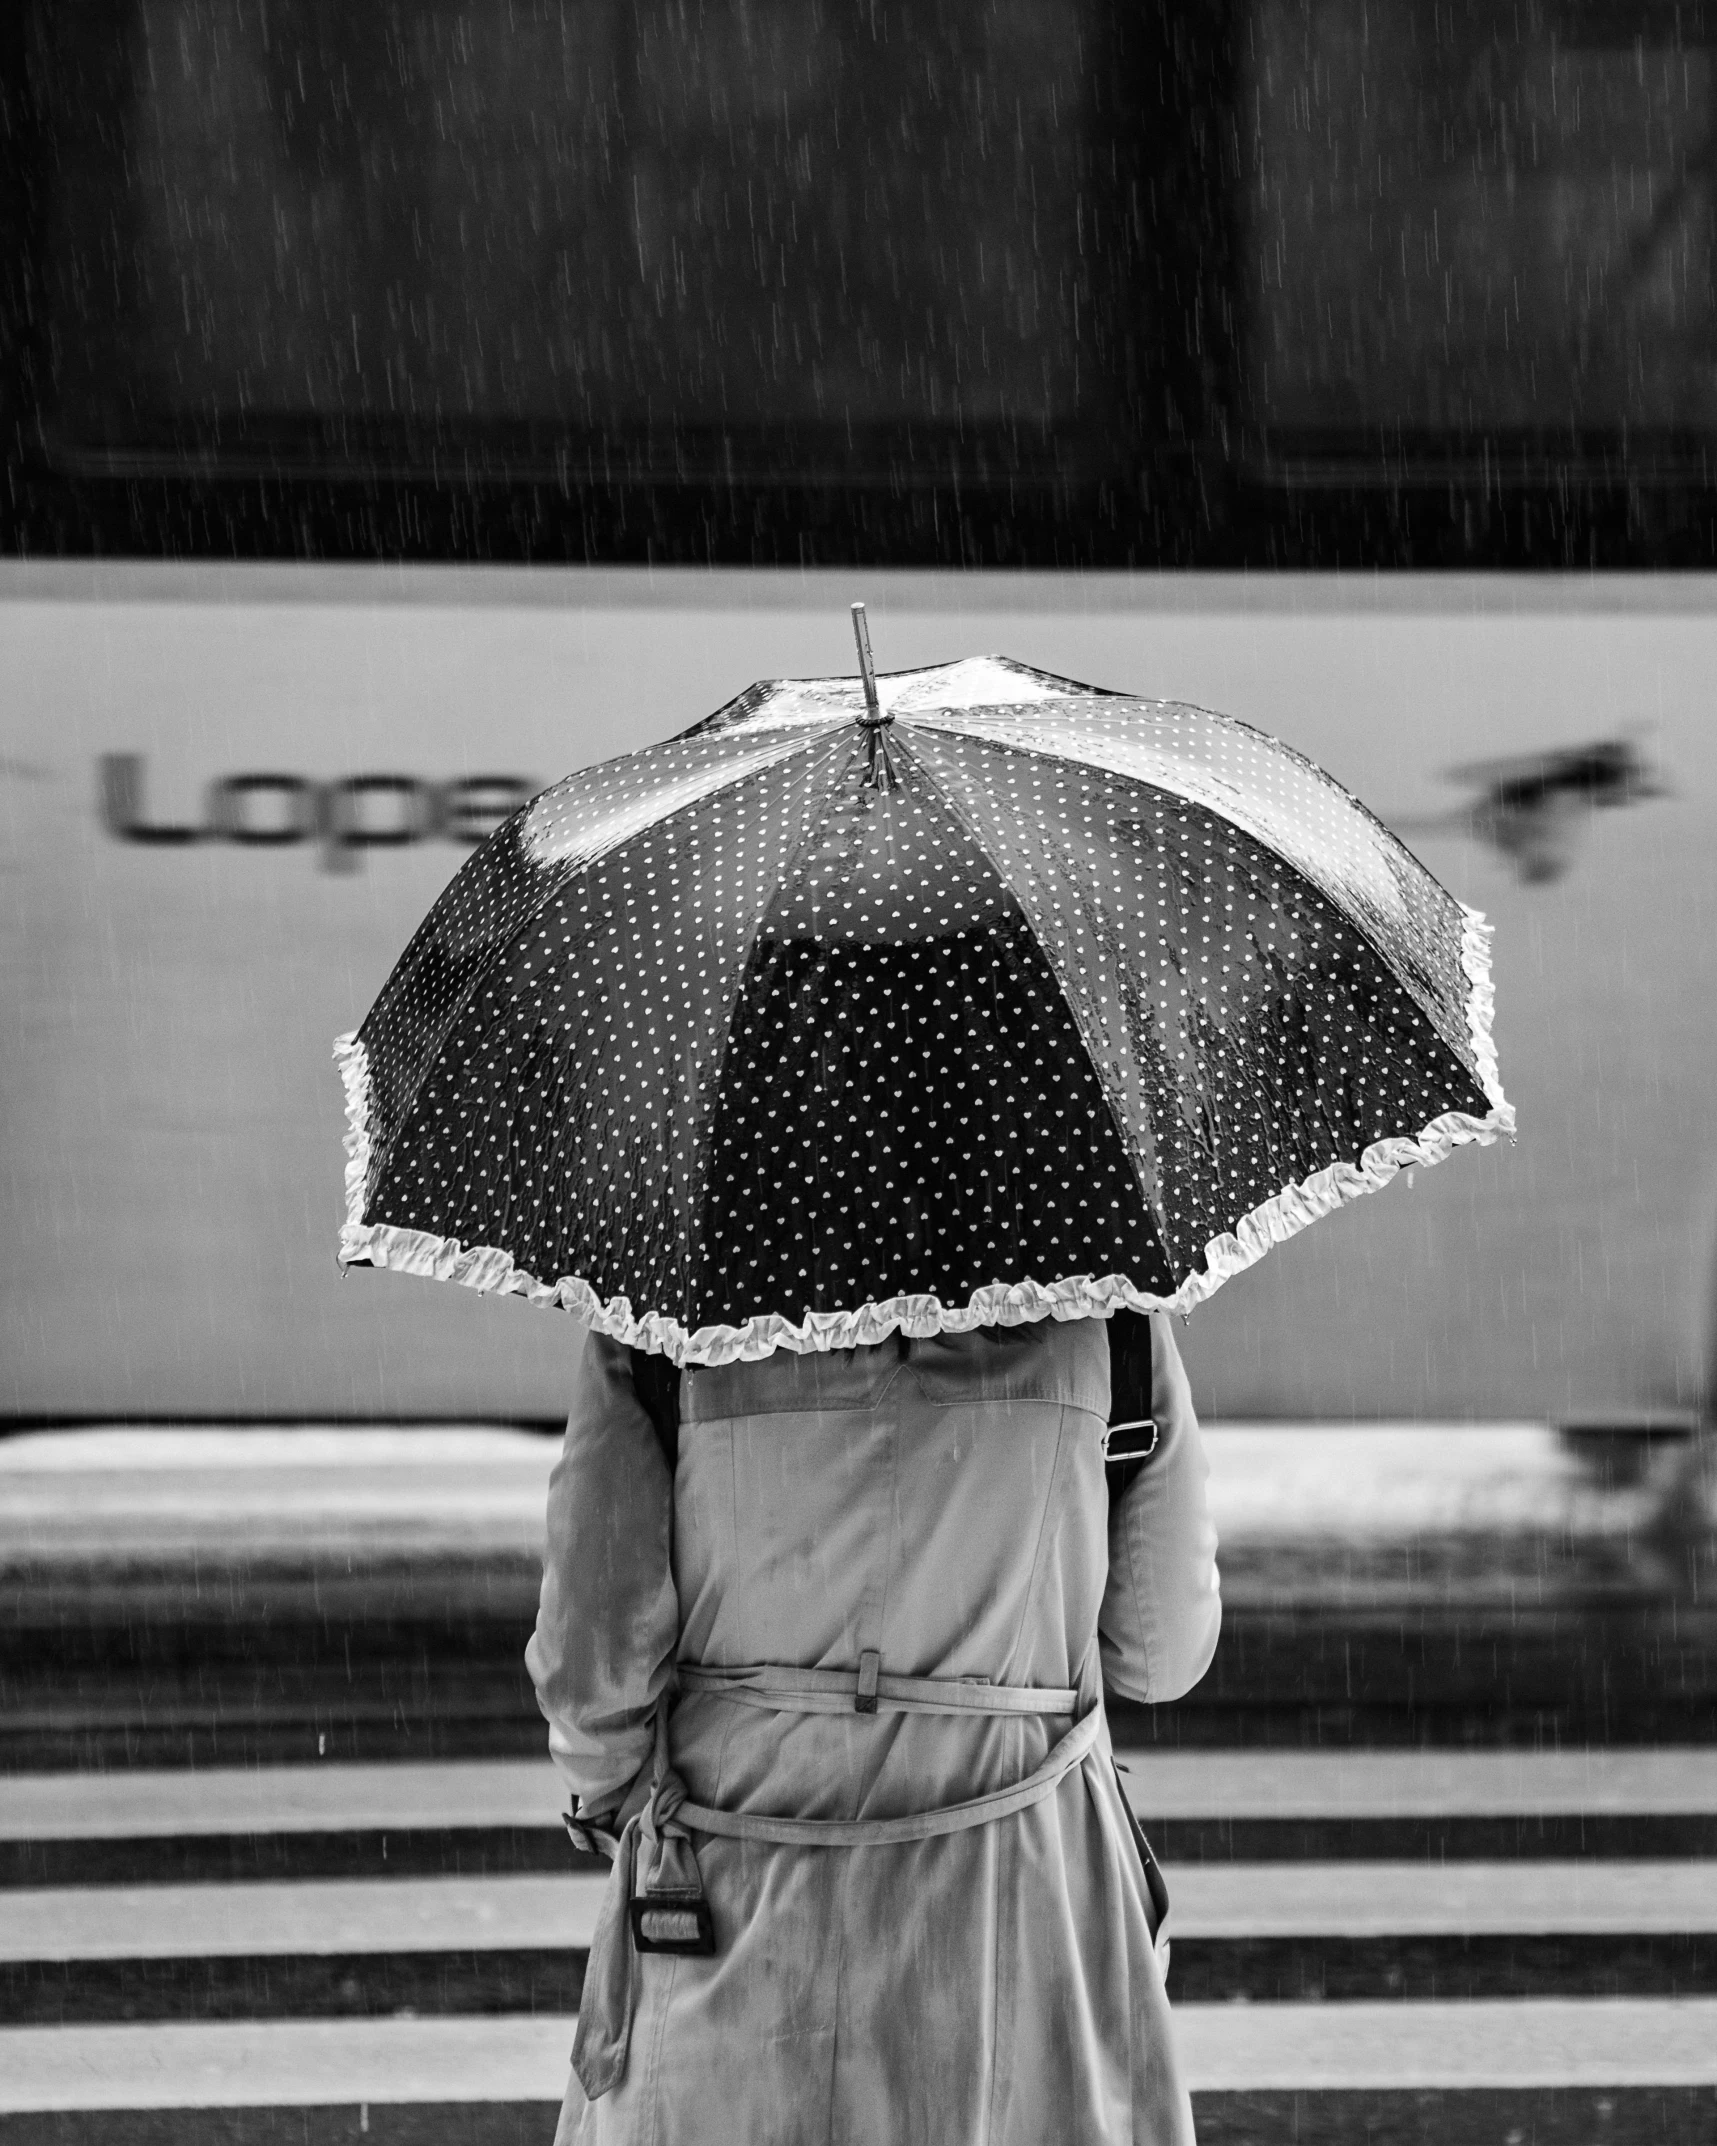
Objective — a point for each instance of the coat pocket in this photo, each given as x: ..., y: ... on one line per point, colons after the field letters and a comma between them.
x: 1156, y: 1886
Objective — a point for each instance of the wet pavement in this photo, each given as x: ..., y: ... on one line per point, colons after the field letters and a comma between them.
x: 1440, y: 1825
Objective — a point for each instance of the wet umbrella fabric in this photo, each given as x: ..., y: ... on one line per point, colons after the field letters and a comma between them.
x: 744, y: 1041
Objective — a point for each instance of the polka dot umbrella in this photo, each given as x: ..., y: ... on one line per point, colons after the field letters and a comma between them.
x: 964, y: 996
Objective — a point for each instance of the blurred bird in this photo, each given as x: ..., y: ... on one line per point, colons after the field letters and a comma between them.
x: 1531, y: 807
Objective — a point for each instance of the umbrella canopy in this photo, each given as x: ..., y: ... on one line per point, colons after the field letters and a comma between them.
x: 1000, y: 999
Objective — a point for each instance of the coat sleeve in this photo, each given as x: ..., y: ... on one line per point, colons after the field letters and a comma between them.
x: 608, y: 1619
x: 1162, y: 1608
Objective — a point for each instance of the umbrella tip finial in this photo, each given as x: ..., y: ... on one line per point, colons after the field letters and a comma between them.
x: 861, y: 634
x: 879, y: 771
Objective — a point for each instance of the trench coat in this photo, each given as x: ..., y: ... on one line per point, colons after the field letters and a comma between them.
x: 941, y: 1503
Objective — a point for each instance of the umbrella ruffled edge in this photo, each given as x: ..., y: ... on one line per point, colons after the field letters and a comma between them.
x: 494, y: 1272
x: 354, y: 1064
x: 1296, y: 1207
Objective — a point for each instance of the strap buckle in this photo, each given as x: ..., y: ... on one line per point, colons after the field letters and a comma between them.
x: 676, y: 1921
x: 869, y: 1669
x: 1130, y: 1441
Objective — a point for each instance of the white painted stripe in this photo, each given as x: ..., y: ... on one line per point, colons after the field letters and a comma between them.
x: 1436, y: 1899
x: 287, y: 2063
x: 381, y: 1915
x: 1162, y: 1784
x: 281, y: 1799
x: 1498, y: 2042
x: 318, y: 1915
x: 1529, y: 2042
x: 1407, y: 1784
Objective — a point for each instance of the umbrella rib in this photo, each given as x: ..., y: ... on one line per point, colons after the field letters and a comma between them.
x: 1349, y: 920
x: 553, y: 886
x: 1047, y: 750
x: 1499, y: 1115
x: 942, y: 792
x: 814, y: 822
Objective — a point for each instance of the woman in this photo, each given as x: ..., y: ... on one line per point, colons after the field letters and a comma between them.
x: 881, y: 1590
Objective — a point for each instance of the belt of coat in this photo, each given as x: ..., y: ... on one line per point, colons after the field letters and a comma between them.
x: 605, y: 2009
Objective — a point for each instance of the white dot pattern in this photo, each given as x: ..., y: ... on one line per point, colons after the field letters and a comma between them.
x: 719, y: 1031
x: 559, y: 1111
x: 1251, y: 1032
x: 1289, y: 805
x: 907, y: 1106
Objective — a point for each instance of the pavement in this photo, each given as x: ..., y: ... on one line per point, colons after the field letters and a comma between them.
x: 111, y: 1492
x: 280, y: 1857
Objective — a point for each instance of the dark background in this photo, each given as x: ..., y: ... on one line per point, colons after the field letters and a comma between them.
x: 1289, y: 283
